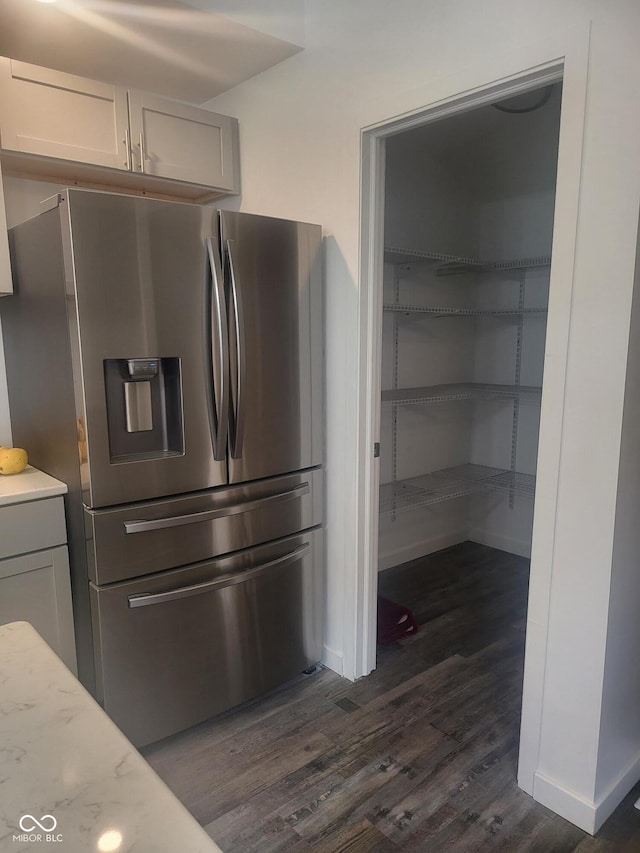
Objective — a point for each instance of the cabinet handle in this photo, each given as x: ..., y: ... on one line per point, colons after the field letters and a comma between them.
x: 144, y: 599
x: 141, y: 145
x: 147, y: 525
x: 127, y: 143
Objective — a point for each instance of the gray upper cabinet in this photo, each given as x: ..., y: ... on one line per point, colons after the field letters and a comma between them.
x: 60, y: 126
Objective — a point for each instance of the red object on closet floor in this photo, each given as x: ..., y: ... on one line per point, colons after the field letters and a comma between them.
x: 395, y: 621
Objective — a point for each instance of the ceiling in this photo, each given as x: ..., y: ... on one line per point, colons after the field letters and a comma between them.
x: 164, y: 46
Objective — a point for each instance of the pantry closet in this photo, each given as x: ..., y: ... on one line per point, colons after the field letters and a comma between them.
x: 469, y: 203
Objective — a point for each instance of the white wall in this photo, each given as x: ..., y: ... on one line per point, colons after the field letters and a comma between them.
x: 22, y: 201
x: 618, y: 750
x: 301, y: 158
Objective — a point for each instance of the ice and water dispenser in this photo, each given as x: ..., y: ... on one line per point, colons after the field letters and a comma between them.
x: 144, y: 408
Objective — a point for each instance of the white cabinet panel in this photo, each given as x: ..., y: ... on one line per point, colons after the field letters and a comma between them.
x: 181, y: 142
x: 60, y: 115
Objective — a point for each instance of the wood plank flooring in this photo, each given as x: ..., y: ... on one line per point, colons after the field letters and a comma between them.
x: 419, y: 756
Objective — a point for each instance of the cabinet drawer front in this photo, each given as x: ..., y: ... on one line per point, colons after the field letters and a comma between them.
x: 31, y: 526
x: 205, y: 641
x: 60, y: 115
x: 159, y: 535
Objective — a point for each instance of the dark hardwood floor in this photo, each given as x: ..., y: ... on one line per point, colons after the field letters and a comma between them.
x: 419, y: 756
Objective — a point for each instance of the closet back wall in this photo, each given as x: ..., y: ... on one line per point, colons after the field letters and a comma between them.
x: 426, y: 202
x: 480, y: 185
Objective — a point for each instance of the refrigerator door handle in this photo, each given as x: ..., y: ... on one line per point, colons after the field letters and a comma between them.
x: 240, y: 358
x: 145, y: 599
x: 218, y: 335
x: 144, y: 526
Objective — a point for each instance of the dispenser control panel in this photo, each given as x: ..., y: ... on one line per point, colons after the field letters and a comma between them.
x: 142, y: 368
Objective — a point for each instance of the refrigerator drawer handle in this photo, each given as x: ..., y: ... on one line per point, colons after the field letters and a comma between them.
x: 144, y: 599
x: 142, y: 526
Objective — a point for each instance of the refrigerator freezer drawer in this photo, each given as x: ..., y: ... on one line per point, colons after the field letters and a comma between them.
x: 142, y: 538
x: 177, y: 648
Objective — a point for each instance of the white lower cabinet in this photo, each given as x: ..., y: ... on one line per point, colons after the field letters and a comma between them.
x: 34, y: 574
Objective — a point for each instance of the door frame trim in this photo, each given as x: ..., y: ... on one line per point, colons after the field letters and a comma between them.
x: 565, y: 56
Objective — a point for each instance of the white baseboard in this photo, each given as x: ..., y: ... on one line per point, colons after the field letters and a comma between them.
x: 520, y: 547
x: 587, y: 815
x: 565, y: 803
x: 616, y: 792
x: 333, y: 660
x: 414, y: 550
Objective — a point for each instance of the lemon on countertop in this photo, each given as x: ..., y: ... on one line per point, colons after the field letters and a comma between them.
x: 13, y: 460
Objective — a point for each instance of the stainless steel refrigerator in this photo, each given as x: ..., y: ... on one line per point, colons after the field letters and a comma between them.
x: 165, y: 361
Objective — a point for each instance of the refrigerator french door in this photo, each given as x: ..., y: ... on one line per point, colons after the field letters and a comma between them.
x: 138, y: 295
x: 172, y: 356
x: 274, y: 310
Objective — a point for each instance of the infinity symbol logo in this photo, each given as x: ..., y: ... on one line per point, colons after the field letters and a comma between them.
x: 47, y: 823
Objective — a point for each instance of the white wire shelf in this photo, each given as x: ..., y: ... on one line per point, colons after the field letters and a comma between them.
x: 450, y: 483
x: 434, y: 311
x: 452, y: 264
x: 458, y: 391
x: 394, y: 255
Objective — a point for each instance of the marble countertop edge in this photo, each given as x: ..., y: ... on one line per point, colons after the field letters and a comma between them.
x: 62, y: 756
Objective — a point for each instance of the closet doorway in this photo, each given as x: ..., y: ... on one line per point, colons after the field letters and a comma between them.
x: 467, y: 225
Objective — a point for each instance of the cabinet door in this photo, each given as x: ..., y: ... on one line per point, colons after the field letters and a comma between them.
x: 174, y: 140
x: 36, y: 588
x: 59, y: 115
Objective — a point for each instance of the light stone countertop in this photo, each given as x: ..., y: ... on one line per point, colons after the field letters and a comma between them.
x: 28, y: 485
x: 66, y: 766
